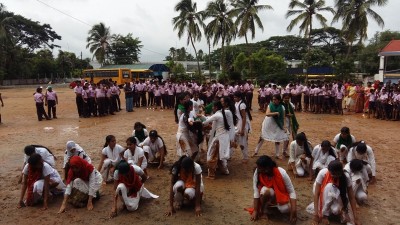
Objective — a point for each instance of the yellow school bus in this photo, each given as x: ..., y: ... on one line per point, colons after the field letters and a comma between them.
x: 119, y: 75
x: 139, y: 74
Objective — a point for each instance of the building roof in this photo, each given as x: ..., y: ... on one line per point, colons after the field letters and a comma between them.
x: 156, y: 68
x: 391, y: 49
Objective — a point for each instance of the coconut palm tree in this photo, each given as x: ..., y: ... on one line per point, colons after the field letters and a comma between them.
x: 189, y: 21
x: 98, y: 42
x: 354, y: 15
x: 305, y: 12
x: 221, y: 27
x: 246, y: 12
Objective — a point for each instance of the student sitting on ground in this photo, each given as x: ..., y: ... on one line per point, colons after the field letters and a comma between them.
x: 129, y: 187
x: 39, y: 179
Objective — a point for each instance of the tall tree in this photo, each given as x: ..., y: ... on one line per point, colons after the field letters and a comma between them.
x: 246, y: 12
x: 221, y: 27
x: 304, y: 12
x: 98, y: 42
x: 354, y: 17
x: 189, y: 21
x: 125, y: 49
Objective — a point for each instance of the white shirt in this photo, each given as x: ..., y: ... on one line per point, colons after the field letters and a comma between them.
x: 46, y: 171
x: 286, y: 180
x: 113, y: 154
x: 45, y: 154
x: 135, y: 157
x: 158, y: 144
x: 321, y: 159
x: 368, y: 157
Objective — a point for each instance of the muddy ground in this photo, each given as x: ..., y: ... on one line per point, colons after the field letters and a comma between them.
x: 225, y: 197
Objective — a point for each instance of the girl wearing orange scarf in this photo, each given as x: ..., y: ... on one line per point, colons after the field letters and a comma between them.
x: 186, y: 185
x: 128, y: 184
x: 83, y: 177
x: 272, y: 186
x: 332, y: 194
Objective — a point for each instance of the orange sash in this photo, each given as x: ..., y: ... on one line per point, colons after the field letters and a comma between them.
x: 188, y: 180
x: 327, y: 179
x: 275, y: 182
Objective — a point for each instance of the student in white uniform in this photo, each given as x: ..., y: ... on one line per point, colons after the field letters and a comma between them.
x: 300, y: 158
x: 359, y: 178
x: 342, y: 142
x: 110, y: 157
x: 134, y: 154
x: 365, y: 153
x: 39, y: 178
x: 186, y: 185
x: 322, y: 155
x: 186, y: 142
x: 154, y: 148
x: 71, y: 150
x: 44, y: 152
x: 219, y: 145
x: 129, y: 187
x: 243, y: 124
x: 83, y: 184
x: 139, y: 131
x: 333, y: 195
x: 272, y: 186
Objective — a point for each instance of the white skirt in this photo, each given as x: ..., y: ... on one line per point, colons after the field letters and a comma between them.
x: 270, y: 131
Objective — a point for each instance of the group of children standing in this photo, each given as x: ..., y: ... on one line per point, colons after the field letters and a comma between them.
x: 49, y: 99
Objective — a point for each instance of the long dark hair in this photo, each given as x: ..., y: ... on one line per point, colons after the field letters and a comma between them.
x: 232, y: 108
x: 336, y: 166
x: 218, y: 105
x: 241, y: 96
x: 154, y: 133
x: 302, y: 137
x: 327, y: 143
x: 108, y: 140
x: 30, y: 149
x: 183, y: 162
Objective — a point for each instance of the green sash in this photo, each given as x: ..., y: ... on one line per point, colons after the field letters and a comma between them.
x: 278, y: 119
x: 293, y: 121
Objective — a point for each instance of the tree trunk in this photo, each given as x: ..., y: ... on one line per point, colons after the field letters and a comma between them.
x: 308, y: 49
x: 209, y: 57
x: 223, y: 56
x: 250, y: 61
x: 195, y: 52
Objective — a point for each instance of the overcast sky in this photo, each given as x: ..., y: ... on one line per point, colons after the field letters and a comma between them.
x: 150, y: 21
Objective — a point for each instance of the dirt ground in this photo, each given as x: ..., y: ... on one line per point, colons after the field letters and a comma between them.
x: 225, y: 198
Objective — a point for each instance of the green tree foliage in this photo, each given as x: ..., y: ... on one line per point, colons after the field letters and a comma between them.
x: 221, y: 27
x: 289, y: 46
x: 329, y: 40
x: 368, y: 57
x: 98, y: 42
x: 246, y: 12
x: 317, y: 58
x: 125, y: 49
x: 354, y: 15
x: 19, y: 38
x: 267, y: 65
x: 189, y: 21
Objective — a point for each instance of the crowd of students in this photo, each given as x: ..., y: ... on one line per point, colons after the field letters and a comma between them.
x: 342, y: 170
